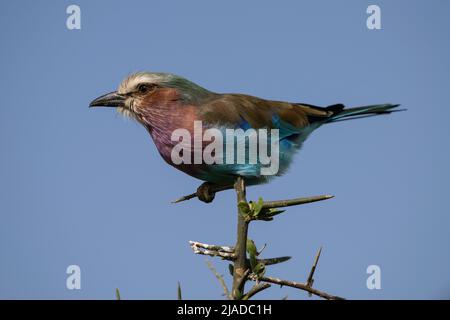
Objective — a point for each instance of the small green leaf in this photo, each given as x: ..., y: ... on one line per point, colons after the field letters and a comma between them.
x: 259, y: 269
x: 253, y: 262
x: 117, y: 294
x: 244, y: 207
x: 257, y: 207
x: 268, y: 214
x: 251, y: 247
x: 253, y: 252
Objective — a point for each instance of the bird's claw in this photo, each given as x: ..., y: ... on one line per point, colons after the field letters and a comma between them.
x: 205, y: 192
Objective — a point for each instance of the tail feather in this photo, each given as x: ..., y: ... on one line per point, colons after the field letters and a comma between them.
x: 341, y: 114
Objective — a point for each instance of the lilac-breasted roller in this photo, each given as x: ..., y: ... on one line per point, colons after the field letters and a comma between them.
x: 164, y: 102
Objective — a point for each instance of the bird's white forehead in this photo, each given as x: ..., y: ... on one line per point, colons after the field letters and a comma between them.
x: 132, y: 81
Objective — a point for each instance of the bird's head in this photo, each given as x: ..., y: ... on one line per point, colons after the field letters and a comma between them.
x: 141, y: 92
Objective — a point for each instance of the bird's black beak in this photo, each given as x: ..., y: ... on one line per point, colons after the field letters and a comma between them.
x: 112, y: 99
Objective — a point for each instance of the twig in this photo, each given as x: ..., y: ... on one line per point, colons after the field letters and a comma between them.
x: 211, y: 247
x: 179, y: 297
x: 240, y: 283
x: 294, y: 202
x: 242, y: 269
x: 240, y: 264
x: 256, y: 289
x: 310, y: 280
x: 226, y: 253
x: 219, y: 278
x: 262, y: 249
x: 212, y: 190
x: 297, y: 285
x: 271, y: 261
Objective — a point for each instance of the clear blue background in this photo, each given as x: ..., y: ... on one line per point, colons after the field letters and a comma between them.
x: 80, y: 186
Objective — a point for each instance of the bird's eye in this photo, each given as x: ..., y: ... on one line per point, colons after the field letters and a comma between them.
x: 144, y: 88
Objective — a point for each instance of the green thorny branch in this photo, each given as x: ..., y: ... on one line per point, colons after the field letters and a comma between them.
x: 246, y: 265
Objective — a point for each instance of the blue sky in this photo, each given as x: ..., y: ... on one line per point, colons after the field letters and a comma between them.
x: 85, y: 187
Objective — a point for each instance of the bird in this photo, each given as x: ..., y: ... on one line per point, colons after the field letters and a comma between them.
x: 165, y: 102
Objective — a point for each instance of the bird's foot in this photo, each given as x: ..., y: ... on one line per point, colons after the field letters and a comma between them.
x: 206, y: 192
